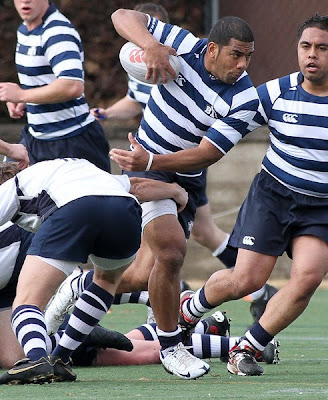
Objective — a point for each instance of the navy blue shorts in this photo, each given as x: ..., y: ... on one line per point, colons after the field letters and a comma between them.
x: 203, y: 199
x: 272, y: 215
x: 193, y: 184
x: 90, y: 145
x: 106, y: 226
x: 8, y: 293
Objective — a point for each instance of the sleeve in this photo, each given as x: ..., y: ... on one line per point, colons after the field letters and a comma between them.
x: 9, y: 204
x: 174, y: 36
x: 64, y: 52
x: 239, y: 121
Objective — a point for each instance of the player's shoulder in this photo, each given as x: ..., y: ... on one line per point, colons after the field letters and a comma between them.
x: 274, y: 88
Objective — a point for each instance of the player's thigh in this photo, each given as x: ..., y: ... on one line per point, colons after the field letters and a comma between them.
x: 10, y: 349
x: 166, y: 237
x: 310, y: 261
x: 37, y: 282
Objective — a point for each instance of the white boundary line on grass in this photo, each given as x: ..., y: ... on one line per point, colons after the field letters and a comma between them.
x: 227, y: 212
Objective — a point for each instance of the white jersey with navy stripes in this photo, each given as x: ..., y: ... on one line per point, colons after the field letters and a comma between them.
x: 180, y: 113
x: 9, y: 249
x: 36, y: 192
x: 298, y: 123
x: 139, y: 91
x: 52, y: 51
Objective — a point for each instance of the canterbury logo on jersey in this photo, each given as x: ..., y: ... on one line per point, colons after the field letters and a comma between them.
x: 209, y: 110
x: 180, y: 80
x: 290, y: 118
x: 248, y: 240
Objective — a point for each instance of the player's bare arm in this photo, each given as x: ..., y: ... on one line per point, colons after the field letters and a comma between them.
x: 57, y: 91
x: 149, y: 189
x: 17, y: 152
x: 186, y: 160
x: 132, y: 25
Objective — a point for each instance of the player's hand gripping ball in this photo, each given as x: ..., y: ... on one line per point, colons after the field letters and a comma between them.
x: 132, y: 60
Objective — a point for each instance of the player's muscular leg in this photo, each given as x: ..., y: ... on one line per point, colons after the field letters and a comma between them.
x: 137, y: 275
x: 167, y: 241
x: 251, y: 272
x: 309, y: 267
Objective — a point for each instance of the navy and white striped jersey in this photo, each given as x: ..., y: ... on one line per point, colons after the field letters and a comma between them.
x: 52, y: 51
x: 196, y: 105
x: 10, y: 240
x: 36, y: 192
x: 139, y: 91
x: 298, y: 123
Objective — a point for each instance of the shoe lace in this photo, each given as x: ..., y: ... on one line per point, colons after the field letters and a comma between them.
x: 182, y: 355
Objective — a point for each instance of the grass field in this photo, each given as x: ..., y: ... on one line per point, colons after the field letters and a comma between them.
x: 302, y: 373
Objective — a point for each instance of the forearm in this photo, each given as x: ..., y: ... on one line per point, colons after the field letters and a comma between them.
x: 4, y: 148
x: 124, y: 109
x: 132, y: 26
x: 149, y: 189
x: 58, y: 91
x: 185, y: 160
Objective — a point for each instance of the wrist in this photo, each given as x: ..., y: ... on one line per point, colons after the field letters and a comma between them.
x: 150, y: 161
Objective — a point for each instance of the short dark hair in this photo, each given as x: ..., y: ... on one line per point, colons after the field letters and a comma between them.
x: 8, y: 170
x: 230, y: 28
x: 317, y: 21
x: 153, y: 9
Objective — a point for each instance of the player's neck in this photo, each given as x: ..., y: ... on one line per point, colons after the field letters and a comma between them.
x: 315, y: 88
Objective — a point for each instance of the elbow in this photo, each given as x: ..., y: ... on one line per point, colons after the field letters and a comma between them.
x: 118, y: 15
x: 76, y: 89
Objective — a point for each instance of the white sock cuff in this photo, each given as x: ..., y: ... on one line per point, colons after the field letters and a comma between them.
x: 222, y: 247
x: 168, y: 334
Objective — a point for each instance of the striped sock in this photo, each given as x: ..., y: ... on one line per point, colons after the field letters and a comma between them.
x: 169, y: 339
x: 211, y: 346
x: 132, y: 298
x: 29, y: 326
x: 258, y: 337
x: 197, y: 306
x: 89, y: 309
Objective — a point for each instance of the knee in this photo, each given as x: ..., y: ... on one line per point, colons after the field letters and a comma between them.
x: 171, y: 258
x: 243, y: 286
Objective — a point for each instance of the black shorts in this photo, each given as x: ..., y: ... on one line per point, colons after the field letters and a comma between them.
x: 203, y: 199
x: 106, y: 226
x: 272, y: 215
x: 91, y: 145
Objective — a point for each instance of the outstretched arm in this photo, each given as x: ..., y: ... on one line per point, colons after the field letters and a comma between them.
x: 132, y: 26
x: 186, y: 160
x: 149, y: 189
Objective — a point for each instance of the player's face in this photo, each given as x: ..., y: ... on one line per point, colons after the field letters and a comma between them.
x: 229, y: 62
x: 313, y: 58
x: 31, y: 11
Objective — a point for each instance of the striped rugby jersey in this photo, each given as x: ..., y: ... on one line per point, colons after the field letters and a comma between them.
x: 138, y: 91
x: 10, y: 240
x: 50, y: 51
x: 298, y: 123
x: 196, y: 105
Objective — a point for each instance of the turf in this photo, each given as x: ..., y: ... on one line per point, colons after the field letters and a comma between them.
x: 302, y: 373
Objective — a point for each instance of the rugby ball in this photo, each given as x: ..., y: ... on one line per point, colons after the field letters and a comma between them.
x: 132, y: 60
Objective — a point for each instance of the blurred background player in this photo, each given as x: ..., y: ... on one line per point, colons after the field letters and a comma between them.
x: 59, y: 123
x: 204, y: 231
